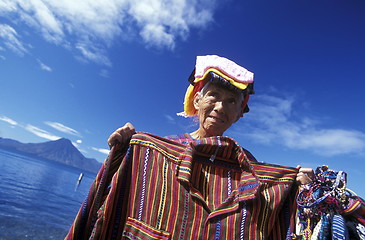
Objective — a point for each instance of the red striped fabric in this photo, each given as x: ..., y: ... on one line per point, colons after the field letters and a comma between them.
x: 160, y: 189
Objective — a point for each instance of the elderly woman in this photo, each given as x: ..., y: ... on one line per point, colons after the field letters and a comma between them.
x: 218, y: 94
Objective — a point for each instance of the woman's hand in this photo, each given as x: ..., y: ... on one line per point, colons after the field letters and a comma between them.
x: 305, y: 175
x: 121, y: 135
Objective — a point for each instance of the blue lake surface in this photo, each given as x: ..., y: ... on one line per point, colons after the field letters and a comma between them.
x: 38, y: 198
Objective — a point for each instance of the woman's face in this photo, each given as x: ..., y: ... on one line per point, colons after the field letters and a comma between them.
x: 217, y: 110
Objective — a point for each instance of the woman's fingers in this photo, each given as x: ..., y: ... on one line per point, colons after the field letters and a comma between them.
x: 121, y: 135
x: 305, y: 175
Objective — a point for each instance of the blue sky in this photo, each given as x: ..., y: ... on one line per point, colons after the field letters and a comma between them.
x: 81, y: 69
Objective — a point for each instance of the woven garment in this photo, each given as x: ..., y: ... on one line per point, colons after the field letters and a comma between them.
x: 166, y: 190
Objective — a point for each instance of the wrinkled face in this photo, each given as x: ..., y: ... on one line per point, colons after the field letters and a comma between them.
x: 217, y: 110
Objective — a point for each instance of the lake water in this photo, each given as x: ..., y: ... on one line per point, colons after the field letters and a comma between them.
x: 38, y: 198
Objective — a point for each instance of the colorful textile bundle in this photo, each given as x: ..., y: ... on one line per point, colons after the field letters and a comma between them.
x: 328, y: 210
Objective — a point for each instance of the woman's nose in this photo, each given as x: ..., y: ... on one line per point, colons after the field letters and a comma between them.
x: 219, y: 107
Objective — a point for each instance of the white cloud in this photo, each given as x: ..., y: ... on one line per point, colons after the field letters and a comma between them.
x: 101, y: 150
x: 330, y: 141
x: 44, y: 66
x: 62, y: 128
x: 162, y: 22
x: 155, y: 35
x: 11, y: 39
x: 91, y: 26
x: 8, y: 120
x: 273, y: 121
x: 40, y: 132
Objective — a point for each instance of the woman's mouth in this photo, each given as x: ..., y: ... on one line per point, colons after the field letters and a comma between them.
x: 216, y: 119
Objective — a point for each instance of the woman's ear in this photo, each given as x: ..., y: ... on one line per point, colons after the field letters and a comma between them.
x: 196, y: 100
x: 239, y: 116
x: 243, y: 106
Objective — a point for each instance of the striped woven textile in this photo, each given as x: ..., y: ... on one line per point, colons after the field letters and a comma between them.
x: 206, y: 189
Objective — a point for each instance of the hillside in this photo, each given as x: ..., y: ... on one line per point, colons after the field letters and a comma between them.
x: 61, y: 150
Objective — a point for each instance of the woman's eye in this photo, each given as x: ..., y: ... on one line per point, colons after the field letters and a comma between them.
x: 213, y: 94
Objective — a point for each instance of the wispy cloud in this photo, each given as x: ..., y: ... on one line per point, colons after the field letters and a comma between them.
x: 92, y: 53
x: 44, y: 66
x: 273, y: 121
x: 77, y: 145
x: 91, y: 26
x: 101, y: 150
x: 8, y: 120
x: 40, y: 132
x: 104, y: 73
x: 62, y: 128
x: 170, y: 119
x: 11, y: 39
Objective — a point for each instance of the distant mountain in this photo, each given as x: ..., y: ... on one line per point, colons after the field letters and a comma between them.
x: 61, y: 150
